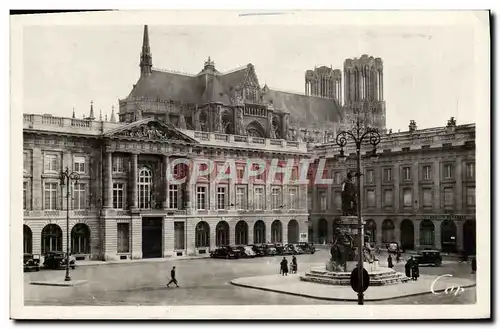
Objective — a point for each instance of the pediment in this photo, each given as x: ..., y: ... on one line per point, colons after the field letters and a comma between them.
x: 150, y: 129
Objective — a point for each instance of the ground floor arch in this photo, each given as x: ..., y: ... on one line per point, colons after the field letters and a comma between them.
x: 469, y: 232
x: 448, y: 236
x: 259, y: 232
x: 388, y: 231
x: 322, y: 230
x: 202, y: 238
x: 222, y: 234
x: 276, y: 232
x: 241, y: 233
x: 371, y: 230
x: 427, y: 232
x: 27, y: 240
x: 293, y: 231
x: 80, y: 239
x: 407, y: 235
x: 51, y: 238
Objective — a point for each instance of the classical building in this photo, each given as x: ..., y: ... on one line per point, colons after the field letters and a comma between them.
x: 420, y: 192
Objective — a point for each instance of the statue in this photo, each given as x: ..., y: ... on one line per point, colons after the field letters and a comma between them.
x: 239, y: 121
x: 349, y: 203
x: 341, y: 250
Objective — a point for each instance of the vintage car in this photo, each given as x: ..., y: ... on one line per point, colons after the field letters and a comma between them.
x: 298, y: 249
x: 258, y: 249
x: 246, y: 251
x: 307, y: 247
x: 57, y: 260
x: 225, y: 252
x: 289, y: 249
x: 31, y: 262
x: 271, y: 250
x: 392, y: 247
x: 428, y: 257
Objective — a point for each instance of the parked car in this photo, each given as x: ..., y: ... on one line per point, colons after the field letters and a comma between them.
x: 31, y: 262
x: 246, y: 251
x: 279, y: 249
x: 225, y: 252
x: 392, y: 247
x: 56, y: 260
x: 298, y: 249
x: 271, y: 250
x: 289, y: 249
x: 307, y: 247
x: 428, y: 257
x: 258, y: 250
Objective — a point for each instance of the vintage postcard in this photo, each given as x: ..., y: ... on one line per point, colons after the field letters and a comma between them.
x: 250, y: 165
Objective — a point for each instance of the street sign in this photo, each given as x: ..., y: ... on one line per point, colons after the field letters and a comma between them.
x: 303, y: 237
x: 355, y: 280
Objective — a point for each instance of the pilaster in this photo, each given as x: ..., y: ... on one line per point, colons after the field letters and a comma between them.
x: 108, y: 176
x: 437, y: 185
x: 416, y: 178
x: 437, y: 234
x: 460, y: 234
x: 166, y: 197
x: 168, y: 236
x: 136, y: 236
x: 37, y: 179
x: 133, y: 181
x: 416, y: 232
x: 396, y: 177
x: 458, y: 185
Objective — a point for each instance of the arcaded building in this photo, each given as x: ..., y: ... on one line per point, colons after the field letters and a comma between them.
x: 123, y: 206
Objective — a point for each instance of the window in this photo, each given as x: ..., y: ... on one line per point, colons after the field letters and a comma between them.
x: 470, y: 170
x: 387, y: 175
x: 338, y: 200
x: 145, y: 191
x: 427, y: 197
x: 407, y: 197
x: 448, y: 171
x: 202, y: 238
x: 448, y: 196
x: 259, y: 198
x: 50, y: 163
x: 370, y: 198
x: 241, y: 197
x: 292, y: 198
x: 471, y: 196
x: 179, y: 235
x: 221, y: 198
x: 50, y: 196
x: 79, y: 196
x: 201, y: 198
x: 117, y: 195
x: 259, y: 176
x: 79, y: 164
x: 388, y: 198
x: 369, y: 176
x: 118, y: 166
x: 123, y: 238
x: 25, y: 162
x: 173, y: 195
x: 407, y: 173
x: 322, y: 200
x: 295, y: 174
x: 427, y: 173
x: 276, y: 202
x: 80, y: 239
x: 25, y: 190
x: 337, y: 178
x: 240, y: 172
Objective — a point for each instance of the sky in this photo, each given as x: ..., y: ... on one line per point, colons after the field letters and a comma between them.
x: 429, y: 71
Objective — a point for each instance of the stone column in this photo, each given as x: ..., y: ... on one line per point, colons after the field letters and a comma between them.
x: 416, y: 232
x: 232, y: 232
x: 37, y: 188
x: 108, y: 184
x: 460, y: 234
x: 397, y: 231
x: 232, y: 191
x: 378, y: 232
x: 187, y: 191
x: 133, y: 181
x: 458, y: 185
x: 437, y: 234
x: 168, y: 236
x: 136, y: 236
x: 395, y: 176
x: 165, y: 182
x: 415, y: 177
x: 437, y: 187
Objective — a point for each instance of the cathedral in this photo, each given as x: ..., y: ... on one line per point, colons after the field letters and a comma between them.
x: 419, y: 191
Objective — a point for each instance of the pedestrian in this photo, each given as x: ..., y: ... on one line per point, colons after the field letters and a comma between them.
x: 415, y: 272
x: 389, y: 262
x: 172, y: 278
x: 408, y: 265
x: 294, y: 265
x: 284, y: 266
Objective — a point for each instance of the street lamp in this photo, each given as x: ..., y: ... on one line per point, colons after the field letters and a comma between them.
x: 66, y: 177
x: 359, y: 135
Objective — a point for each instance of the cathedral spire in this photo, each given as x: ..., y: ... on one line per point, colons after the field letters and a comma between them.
x: 112, y: 117
x: 146, y: 58
x: 91, y: 114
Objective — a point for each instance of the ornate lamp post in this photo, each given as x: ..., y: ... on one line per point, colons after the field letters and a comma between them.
x: 66, y: 177
x: 359, y: 135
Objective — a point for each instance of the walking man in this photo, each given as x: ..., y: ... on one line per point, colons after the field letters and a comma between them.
x: 172, y: 278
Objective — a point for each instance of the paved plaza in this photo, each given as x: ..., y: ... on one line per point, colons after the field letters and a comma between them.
x: 207, y: 282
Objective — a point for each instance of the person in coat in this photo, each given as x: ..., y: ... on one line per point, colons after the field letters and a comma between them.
x: 389, y: 262
x: 284, y: 266
x: 294, y: 265
x: 415, y: 273
x: 408, y: 265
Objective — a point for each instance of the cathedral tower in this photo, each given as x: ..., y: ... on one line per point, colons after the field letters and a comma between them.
x: 324, y: 82
x: 146, y: 63
x: 364, y: 89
